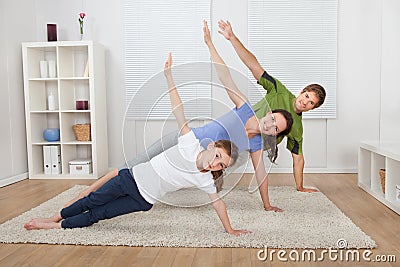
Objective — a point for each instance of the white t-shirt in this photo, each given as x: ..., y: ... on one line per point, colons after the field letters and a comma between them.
x: 172, y: 170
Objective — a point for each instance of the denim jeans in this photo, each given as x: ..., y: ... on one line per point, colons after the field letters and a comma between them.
x: 118, y: 196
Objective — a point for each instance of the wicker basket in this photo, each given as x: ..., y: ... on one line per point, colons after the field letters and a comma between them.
x: 382, y: 173
x: 82, y: 132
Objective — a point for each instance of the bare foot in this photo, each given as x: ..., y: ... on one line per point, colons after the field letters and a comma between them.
x: 36, y: 225
x: 55, y: 218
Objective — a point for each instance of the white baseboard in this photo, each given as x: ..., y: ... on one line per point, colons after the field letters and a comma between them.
x: 250, y: 169
x: 13, y: 179
x: 315, y: 170
x: 23, y: 176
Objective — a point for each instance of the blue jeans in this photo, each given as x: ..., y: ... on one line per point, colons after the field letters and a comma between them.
x: 118, y: 196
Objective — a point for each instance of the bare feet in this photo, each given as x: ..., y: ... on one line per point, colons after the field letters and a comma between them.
x: 36, y: 225
x: 55, y: 218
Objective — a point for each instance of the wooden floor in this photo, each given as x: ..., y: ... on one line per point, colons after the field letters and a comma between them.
x: 371, y: 216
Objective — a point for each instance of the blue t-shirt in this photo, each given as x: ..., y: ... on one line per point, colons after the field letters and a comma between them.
x: 230, y: 127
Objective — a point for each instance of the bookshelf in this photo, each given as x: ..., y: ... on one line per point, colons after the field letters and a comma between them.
x: 79, y: 74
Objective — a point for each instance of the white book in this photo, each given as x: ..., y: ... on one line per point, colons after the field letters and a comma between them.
x: 55, y: 160
x: 47, y: 159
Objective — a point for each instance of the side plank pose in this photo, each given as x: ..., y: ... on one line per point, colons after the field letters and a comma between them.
x: 128, y: 193
x: 278, y: 97
x: 254, y: 135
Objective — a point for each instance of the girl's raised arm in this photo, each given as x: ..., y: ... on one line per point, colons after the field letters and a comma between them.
x: 176, y: 102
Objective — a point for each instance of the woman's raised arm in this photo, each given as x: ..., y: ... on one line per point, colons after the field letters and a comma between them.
x: 223, y: 72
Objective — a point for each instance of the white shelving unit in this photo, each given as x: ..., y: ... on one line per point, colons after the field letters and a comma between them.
x: 372, y: 157
x: 69, y: 85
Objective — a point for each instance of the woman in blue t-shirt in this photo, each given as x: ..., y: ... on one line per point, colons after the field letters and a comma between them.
x: 240, y: 125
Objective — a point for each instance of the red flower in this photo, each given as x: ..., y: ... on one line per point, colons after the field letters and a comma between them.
x: 81, y: 17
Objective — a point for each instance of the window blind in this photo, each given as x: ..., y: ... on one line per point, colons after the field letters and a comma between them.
x: 152, y: 29
x: 295, y: 41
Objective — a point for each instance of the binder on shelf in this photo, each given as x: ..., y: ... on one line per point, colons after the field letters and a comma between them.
x: 55, y: 160
x: 47, y: 159
x: 52, y: 159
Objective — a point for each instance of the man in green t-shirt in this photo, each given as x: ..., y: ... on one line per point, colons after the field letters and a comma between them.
x: 278, y: 97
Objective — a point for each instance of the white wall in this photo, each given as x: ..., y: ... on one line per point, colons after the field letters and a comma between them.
x: 13, y: 158
x: 390, y: 97
x: 367, y: 94
x: 104, y: 24
x: 358, y: 82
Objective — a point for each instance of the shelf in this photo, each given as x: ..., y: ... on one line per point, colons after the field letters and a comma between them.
x: 45, y: 143
x: 73, y: 90
x: 40, y: 122
x: 62, y: 176
x: 57, y: 111
x: 35, y: 55
x: 387, y: 149
x: 56, y: 79
x: 76, y: 111
x: 374, y: 156
x: 75, y: 151
x: 38, y: 92
x: 74, y: 60
x: 68, y: 120
x: 74, y: 78
x: 80, y: 75
x: 43, y: 79
x: 43, y: 111
x: 78, y: 143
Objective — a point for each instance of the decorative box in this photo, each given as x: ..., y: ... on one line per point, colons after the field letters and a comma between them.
x: 80, y: 166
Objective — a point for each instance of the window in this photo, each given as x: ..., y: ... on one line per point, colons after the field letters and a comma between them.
x: 296, y: 42
x: 150, y: 33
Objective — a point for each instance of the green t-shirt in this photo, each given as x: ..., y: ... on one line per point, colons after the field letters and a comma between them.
x: 278, y: 97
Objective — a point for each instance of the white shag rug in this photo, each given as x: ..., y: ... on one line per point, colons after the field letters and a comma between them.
x: 308, y: 221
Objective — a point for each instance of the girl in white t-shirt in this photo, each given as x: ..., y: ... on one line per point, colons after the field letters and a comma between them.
x: 182, y: 166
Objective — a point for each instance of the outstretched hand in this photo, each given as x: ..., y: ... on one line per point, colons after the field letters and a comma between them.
x: 307, y: 190
x: 272, y: 208
x: 206, y: 32
x: 239, y: 232
x: 168, y: 65
x: 225, y: 29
